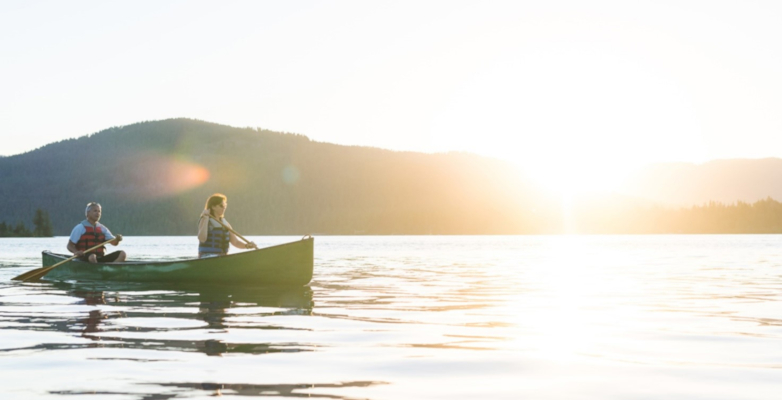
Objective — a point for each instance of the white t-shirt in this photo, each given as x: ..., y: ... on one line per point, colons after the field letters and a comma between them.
x: 80, y: 229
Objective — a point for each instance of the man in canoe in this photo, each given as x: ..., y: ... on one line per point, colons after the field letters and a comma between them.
x: 90, y: 233
x: 214, y: 236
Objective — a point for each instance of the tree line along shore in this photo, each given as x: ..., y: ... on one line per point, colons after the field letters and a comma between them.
x: 42, y: 227
x: 763, y: 217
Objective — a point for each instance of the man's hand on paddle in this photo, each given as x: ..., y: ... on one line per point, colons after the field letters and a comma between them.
x: 116, y: 240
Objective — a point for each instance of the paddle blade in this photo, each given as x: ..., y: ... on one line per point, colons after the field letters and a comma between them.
x: 34, y: 274
x: 24, y: 276
x: 39, y: 272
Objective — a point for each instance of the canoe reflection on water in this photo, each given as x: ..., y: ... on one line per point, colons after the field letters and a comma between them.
x: 296, y: 390
x: 281, y: 390
x: 143, y: 310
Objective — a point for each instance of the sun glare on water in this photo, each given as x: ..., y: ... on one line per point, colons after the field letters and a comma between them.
x: 574, y: 308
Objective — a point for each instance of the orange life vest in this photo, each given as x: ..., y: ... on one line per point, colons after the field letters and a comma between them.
x: 93, y: 237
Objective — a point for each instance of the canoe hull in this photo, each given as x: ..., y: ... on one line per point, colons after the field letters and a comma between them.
x: 285, y: 264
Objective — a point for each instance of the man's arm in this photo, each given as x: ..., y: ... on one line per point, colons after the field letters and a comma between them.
x: 116, y: 240
x: 110, y: 236
x: 72, y: 249
x: 76, y: 233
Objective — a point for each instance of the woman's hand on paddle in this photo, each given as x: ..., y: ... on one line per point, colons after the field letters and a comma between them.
x: 251, y: 245
x: 205, y: 213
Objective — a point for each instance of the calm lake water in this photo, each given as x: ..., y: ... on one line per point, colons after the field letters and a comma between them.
x: 414, y: 317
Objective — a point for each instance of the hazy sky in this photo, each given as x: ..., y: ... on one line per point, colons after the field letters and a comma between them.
x: 564, y: 88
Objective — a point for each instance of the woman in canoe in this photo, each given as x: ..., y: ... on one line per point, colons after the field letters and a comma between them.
x: 213, y: 238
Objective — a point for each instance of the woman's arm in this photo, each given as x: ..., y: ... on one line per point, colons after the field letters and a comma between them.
x: 238, y: 243
x: 203, y: 226
x: 233, y: 239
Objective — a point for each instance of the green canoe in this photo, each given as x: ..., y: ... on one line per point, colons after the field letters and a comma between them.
x: 285, y: 264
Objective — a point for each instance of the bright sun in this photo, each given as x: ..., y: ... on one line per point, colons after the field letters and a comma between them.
x: 573, y: 177
x: 578, y: 116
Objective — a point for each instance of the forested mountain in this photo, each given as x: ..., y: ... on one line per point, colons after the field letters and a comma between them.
x: 153, y: 178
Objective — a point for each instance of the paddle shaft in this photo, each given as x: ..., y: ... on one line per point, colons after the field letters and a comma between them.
x: 37, y: 273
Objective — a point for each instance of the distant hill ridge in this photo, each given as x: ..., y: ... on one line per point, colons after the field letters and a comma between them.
x: 277, y: 183
x: 153, y: 178
x: 725, y: 181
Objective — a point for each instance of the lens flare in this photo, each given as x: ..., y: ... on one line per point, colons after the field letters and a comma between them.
x: 159, y: 176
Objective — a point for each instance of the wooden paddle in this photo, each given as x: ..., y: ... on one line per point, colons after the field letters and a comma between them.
x: 39, y: 272
x: 230, y: 230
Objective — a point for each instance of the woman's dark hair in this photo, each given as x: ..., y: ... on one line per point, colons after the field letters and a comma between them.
x: 214, y: 200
